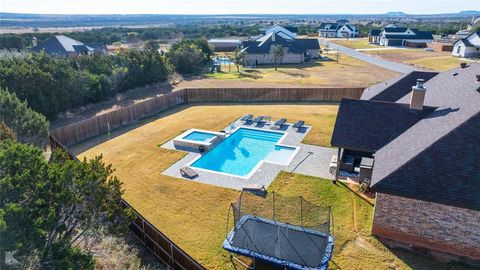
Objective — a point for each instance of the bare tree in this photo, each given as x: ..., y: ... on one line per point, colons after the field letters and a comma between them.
x: 278, y: 52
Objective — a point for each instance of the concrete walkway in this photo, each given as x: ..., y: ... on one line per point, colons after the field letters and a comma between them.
x: 397, y: 67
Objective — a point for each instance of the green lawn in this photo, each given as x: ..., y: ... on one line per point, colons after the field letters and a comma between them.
x: 194, y: 215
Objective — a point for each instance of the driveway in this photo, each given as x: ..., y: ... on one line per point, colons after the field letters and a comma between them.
x: 397, y: 67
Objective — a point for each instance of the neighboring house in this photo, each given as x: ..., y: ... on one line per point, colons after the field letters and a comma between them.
x: 374, y: 36
x: 441, y: 45
x: 63, y: 46
x: 257, y: 52
x: 421, y: 133
x: 400, y: 36
x: 463, y: 33
x: 224, y: 45
x: 338, y: 29
x: 467, y: 47
x: 287, y: 31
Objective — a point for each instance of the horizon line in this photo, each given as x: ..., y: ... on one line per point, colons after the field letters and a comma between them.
x: 236, y: 14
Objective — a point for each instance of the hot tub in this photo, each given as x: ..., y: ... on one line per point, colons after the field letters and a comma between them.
x: 197, y: 140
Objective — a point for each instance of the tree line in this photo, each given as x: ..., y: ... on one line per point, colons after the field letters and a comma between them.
x: 111, y: 35
x: 51, y: 85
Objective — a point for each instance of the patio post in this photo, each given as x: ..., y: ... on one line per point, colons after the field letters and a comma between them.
x: 337, y: 171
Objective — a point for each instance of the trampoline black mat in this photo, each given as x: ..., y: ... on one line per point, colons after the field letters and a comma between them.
x: 283, y: 241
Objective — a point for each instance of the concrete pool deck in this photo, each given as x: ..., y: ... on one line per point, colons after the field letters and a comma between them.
x: 310, y: 160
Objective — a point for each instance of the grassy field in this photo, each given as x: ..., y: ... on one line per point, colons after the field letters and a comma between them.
x: 310, y: 74
x: 439, y: 61
x: 355, y: 43
x: 194, y: 215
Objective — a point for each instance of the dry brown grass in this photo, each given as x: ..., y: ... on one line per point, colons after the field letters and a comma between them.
x: 354, y: 43
x: 348, y: 72
x: 193, y: 215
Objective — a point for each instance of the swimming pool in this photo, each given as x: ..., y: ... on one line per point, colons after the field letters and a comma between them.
x: 199, y: 136
x: 244, y: 150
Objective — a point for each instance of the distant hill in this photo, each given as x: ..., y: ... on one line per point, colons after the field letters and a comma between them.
x: 470, y: 12
x: 396, y: 13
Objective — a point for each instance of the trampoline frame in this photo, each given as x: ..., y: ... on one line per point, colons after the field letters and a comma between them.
x: 227, y: 245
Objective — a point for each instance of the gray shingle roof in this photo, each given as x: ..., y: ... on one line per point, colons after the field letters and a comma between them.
x: 375, y: 32
x: 366, y: 125
x: 331, y: 26
x: 62, y: 45
x: 395, y: 29
x: 263, y: 45
x: 397, y: 88
x: 444, y: 145
x: 437, y: 158
x: 418, y: 35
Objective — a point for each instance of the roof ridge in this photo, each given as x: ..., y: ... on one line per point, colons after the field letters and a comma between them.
x: 426, y: 148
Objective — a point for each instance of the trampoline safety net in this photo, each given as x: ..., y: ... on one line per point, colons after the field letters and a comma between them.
x: 288, y: 232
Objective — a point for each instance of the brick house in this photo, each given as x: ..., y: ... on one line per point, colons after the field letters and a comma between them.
x: 422, y: 131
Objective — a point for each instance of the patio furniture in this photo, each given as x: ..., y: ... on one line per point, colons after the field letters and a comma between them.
x: 258, y: 120
x: 246, y: 118
x: 366, y: 166
x: 280, y: 123
x: 298, y: 125
x: 267, y: 119
x: 188, y: 172
x: 255, y: 189
x: 333, y: 165
x: 348, y: 163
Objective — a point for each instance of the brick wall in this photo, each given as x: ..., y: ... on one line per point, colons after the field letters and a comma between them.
x: 436, y: 227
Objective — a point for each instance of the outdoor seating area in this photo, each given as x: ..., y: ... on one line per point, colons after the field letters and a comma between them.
x: 353, y: 164
x: 267, y: 120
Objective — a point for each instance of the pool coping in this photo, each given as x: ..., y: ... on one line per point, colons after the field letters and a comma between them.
x: 261, y: 162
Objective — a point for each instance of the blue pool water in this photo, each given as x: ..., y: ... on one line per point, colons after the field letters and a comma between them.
x: 199, y: 136
x: 243, y: 150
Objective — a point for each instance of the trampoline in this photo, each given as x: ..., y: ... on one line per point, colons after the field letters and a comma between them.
x: 280, y: 243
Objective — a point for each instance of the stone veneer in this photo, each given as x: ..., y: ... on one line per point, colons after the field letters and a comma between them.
x: 441, y: 229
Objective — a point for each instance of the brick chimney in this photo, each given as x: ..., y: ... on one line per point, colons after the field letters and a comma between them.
x: 418, y: 95
x: 34, y: 42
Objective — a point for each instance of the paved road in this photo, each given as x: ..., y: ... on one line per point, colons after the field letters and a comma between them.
x: 402, y: 68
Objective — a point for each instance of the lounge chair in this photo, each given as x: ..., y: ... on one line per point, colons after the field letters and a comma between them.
x: 298, y: 125
x: 256, y: 189
x: 280, y: 123
x: 188, y: 172
x: 246, y: 118
x: 258, y: 120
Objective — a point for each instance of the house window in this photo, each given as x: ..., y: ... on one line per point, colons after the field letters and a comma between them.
x: 458, y: 49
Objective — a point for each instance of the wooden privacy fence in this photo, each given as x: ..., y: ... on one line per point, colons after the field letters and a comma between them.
x: 271, y: 94
x: 153, y: 239
x: 82, y: 130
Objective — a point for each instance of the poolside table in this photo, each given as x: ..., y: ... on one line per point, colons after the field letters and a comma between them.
x: 267, y: 119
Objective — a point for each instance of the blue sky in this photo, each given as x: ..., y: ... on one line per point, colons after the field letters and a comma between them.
x: 236, y: 6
